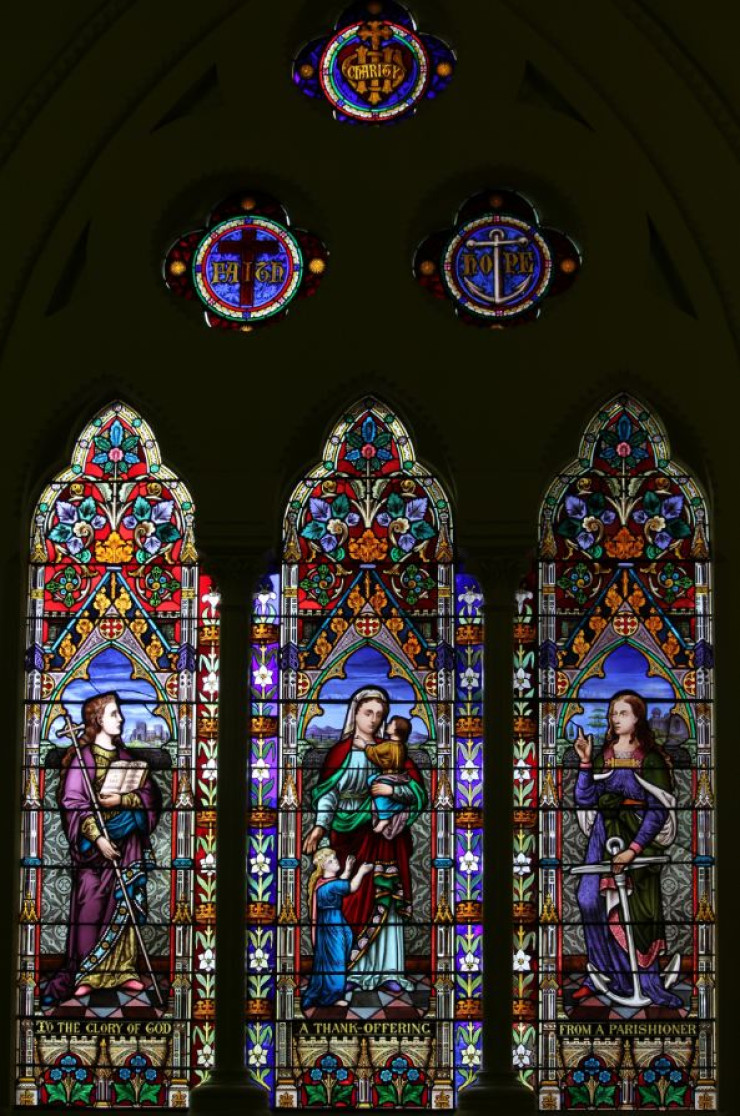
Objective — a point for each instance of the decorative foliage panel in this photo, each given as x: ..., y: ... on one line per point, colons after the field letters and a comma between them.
x: 614, y: 783
x: 365, y: 872
x: 117, y: 905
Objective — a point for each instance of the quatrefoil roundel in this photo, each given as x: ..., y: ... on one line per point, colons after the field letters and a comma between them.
x: 375, y: 67
x: 247, y: 264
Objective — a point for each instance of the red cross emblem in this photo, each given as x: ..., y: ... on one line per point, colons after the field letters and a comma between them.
x: 112, y: 627
x: 625, y: 624
x: 367, y: 626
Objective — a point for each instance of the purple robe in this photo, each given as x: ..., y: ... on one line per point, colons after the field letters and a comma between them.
x: 634, y: 804
x: 97, y: 912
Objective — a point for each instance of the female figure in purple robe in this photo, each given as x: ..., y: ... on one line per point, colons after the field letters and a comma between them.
x: 101, y: 940
x: 626, y: 791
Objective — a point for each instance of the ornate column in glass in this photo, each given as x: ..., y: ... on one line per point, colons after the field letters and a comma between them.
x: 497, y: 1089
x: 229, y: 1089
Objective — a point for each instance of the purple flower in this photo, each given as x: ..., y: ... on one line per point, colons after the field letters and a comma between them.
x: 76, y: 527
x: 319, y: 509
x: 672, y: 507
x: 576, y: 507
x: 417, y: 508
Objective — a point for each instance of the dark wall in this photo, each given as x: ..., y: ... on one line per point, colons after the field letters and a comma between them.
x: 125, y: 121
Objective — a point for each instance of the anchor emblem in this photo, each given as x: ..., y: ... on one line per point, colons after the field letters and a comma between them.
x: 503, y: 261
x: 497, y: 263
x: 638, y: 999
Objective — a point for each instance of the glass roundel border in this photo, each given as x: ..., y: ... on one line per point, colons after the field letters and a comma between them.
x: 456, y: 244
x: 336, y: 99
x: 276, y: 304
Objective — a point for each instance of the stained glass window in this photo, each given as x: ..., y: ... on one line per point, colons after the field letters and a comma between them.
x: 116, y: 965
x: 376, y: 67
x: 497, y: 264
x: 614, y: 782
x: 365, y: 860
x: 247, y: 265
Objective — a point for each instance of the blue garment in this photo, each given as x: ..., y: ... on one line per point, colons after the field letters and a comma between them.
x: 385, y: 806
x: 120, y: 825
x: 332, y: 947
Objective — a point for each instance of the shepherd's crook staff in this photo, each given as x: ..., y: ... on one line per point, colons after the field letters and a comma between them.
x: 72, y: 731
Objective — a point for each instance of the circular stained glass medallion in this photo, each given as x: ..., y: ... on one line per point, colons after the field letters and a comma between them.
x: 247, y: 268
x: 374, y: 71
x: 497, y: 266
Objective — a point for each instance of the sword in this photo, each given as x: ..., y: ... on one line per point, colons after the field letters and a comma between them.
x: 614, y: 846
x: 73, y: 731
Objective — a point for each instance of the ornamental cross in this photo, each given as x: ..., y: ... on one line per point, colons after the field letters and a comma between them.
x: 375, y: 31
x: 248, y: 248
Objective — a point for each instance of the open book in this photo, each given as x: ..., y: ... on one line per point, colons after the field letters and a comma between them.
x: 123, y: 776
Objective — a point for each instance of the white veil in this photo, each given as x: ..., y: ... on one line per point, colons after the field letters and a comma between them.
x: 369, y: 693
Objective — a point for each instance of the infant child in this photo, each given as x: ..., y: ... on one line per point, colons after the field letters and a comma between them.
x: 389, y: 814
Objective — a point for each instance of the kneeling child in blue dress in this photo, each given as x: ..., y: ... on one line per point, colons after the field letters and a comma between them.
x: 332, y: 936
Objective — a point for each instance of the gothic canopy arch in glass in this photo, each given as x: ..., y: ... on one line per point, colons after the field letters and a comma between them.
x: 614, y: 888
x: 365, y: 878
x: 116, y: 955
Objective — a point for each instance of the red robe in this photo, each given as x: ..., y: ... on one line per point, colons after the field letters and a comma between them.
x: 370, y: 847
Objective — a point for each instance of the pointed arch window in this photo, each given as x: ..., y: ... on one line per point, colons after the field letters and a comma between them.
x: 115, y: 993
x: 613, y: 782
x: 365, y: 881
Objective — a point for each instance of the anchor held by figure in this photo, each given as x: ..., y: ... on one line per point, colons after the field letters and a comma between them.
x: 638, y: 999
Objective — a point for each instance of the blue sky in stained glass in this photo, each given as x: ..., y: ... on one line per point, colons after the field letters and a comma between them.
x: 110, y: 670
